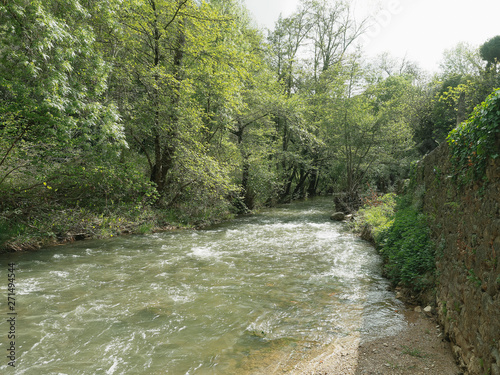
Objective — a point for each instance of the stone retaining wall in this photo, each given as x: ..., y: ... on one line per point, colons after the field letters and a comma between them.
x: 465, y: 226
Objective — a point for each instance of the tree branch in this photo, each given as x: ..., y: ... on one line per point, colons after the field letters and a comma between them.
x: 176, y: 13
x: 13, y: 144
x: 12, y: 170
x: 143, y: 149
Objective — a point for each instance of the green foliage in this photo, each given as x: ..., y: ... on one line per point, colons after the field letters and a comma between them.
x: 52, y: 78
x: 377, y: 213
x: 471, y: 276
x: 367, y: 122
x: 9, y: 229
x: 462, y: 60
x: 54, y: 114
x: 450, y: 92
x: 463, y: 83
x: 444, y: 309
x: 407, y: 248
x: 152, y: 112
x: 490, y: 50
x: 145, y: 228
x: 264, y: 182
x: 402, y: 236
x: 473, y: 142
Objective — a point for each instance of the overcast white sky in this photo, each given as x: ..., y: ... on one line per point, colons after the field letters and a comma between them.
x: 419, y: 29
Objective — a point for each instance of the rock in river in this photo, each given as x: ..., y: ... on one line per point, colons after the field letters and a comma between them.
x: 338, y: 216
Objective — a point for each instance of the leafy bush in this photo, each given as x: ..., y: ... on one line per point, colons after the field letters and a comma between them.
x: 473, y: 142
x: 407, y: 248
x: 377, y: 213
x: 401, y: 234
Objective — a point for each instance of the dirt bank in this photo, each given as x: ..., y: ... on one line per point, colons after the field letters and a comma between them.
x: 420, y: 348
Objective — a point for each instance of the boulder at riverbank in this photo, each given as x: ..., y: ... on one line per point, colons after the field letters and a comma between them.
x: 337, y: 216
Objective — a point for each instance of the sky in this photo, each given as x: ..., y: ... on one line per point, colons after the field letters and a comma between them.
x: 419, y: 30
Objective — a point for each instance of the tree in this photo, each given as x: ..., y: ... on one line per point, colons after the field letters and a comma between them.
x: 256, y: 141
x: 53, y: 108
x: 246, y: 137
x: 308, y: 49
x: 465, y: 84
x: 463, y: 60
x: 369, y: 128
x: 334, y: 30
x: 174, y: 67
x: 285, y: 42
x: 490, y: 52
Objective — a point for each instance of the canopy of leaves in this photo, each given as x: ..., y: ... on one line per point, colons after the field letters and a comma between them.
x: 490, y: 50
x: 185, y: 104
x: 53, y: 82
x: 463, y: 60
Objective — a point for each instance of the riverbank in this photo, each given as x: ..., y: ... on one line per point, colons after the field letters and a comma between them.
x: 86, y: 226
x: 419, y: 348
x: 51, y: 226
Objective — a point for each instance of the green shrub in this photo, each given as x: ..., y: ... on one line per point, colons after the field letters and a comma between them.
x: 8, y: 230
x: 377, y: 213
x: 402, y: 235
x: 407, y: 248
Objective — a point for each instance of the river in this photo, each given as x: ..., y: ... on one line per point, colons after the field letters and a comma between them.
x: 226, y: 300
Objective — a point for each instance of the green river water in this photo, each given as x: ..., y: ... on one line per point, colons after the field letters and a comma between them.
x: 215, y: 301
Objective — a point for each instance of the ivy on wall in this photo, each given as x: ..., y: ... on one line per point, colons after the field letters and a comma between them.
x: 473, y: 142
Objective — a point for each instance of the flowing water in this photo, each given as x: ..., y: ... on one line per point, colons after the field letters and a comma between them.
x: 215, y: 301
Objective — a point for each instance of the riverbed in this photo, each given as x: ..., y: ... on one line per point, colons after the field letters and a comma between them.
x: 231, y: 299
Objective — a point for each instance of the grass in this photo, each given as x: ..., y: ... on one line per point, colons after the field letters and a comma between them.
x: 407, y: 249
x: 377, y: 213
x: 414, y: 352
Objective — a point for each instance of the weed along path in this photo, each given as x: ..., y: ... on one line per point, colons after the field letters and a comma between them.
x: 284, y: 291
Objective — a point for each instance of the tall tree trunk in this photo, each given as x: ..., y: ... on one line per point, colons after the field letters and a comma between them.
x: 299, y: 191
x: 156, y: 172
x: 249, y: 196
x: 165, y: 146
x: 313, y: 183
x: 288, y: 185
